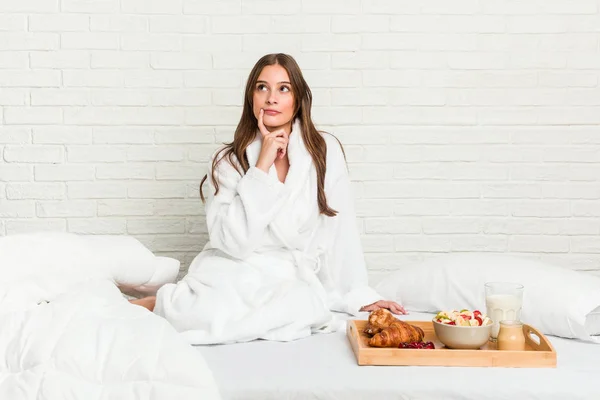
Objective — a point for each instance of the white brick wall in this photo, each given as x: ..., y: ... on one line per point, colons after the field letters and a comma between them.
x: 471, y: 125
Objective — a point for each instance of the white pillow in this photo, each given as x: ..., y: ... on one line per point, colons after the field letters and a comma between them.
x: 556, y: 300
x: 39, y: 266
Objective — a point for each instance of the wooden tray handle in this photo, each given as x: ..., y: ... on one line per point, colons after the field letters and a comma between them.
x: 354, y: 332
x: 543, y: 345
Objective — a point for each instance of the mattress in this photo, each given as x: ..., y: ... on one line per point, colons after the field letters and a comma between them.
x: 323, y: 367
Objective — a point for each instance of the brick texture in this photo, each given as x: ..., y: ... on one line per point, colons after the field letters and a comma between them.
x: 468, y: 126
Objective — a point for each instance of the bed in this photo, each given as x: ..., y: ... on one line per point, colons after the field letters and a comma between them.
x: 323, y: 367
x: 67, y: 332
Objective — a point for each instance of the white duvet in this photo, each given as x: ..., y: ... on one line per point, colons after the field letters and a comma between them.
x: 79, y: 338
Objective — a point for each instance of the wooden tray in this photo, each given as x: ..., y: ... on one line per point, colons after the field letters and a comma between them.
x: 535, y: 355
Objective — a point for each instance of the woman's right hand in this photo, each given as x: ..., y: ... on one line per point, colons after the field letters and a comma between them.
x: 274, y: 145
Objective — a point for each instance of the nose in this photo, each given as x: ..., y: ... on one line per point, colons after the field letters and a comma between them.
x: 272, y: 98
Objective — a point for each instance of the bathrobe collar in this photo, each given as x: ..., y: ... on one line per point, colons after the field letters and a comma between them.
x: 300, y: 207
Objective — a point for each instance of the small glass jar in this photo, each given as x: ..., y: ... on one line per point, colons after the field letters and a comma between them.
x: 511, y: 336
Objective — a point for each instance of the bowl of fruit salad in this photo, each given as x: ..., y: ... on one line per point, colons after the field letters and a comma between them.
x: 462, y: 329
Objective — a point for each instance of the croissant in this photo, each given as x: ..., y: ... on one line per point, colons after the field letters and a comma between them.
x: 398, y: 332
x: 379, y: 320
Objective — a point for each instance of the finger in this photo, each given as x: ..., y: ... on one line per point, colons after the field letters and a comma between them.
x: 392, y: 304
x: 284, y: 149
x: 276, y: 135
x: 398, y: 308
x: 402, y: 309
x: 281, y: 143
x: 281, y: 149
x: 278, y: 141
x: 281, y: 154
x: 261, y: 126
x: 283, y: 133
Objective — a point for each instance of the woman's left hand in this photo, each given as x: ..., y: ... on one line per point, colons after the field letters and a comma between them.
x: 394, y: 307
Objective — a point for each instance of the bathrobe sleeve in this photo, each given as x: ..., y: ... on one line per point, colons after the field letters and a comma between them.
x: 349, y: 270
x: 239, y: 213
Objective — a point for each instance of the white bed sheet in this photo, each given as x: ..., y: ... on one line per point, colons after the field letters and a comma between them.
x: 323, y: 367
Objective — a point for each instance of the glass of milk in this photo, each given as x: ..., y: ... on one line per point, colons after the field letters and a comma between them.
x: 504, y: 301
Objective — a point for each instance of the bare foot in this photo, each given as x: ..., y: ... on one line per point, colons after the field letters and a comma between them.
x: 146, y: 302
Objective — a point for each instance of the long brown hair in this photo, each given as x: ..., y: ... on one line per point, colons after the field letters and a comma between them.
x: 245, y: 132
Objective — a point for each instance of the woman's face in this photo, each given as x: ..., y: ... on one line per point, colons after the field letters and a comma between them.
x: 273, y: 93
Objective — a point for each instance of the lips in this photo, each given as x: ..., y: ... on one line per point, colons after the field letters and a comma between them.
x: 271, y: 112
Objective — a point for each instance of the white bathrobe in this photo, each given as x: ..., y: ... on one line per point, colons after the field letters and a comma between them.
x: 274, y: 267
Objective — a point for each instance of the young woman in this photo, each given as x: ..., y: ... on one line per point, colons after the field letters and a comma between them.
x: 284, y: 249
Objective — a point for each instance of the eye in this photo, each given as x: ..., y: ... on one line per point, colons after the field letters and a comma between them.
x: 261, y: 87
x: 285, y: 89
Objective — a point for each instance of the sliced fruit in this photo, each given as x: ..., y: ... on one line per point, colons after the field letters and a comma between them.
x: 463, y: 318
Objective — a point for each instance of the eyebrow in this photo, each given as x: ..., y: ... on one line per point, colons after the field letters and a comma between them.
x: 277, y: 82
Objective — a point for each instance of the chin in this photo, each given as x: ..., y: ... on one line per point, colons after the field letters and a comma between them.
x: 276, y: 121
